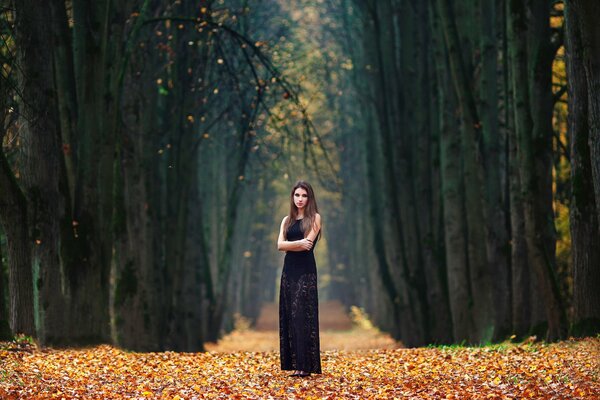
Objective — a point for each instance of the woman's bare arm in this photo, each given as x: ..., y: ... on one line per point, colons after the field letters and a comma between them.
x: 296, y: 245
x: 314, y: 232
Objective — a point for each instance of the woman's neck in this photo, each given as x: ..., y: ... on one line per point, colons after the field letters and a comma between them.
x: 300, y: 215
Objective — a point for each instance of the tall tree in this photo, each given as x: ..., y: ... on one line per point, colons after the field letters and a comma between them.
x: 39, y: 132
x: 492, y: 148
x: 475, y: 204
x: 583, y: 68
x: 530, y: 61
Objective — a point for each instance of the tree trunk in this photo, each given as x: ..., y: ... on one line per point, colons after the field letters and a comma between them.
x: 532, y: 115
x: 411, y: 138
x: 41, y: 163
x: 587, y: 12
x: 427, y: 182
x: 375, y: 196
x: 496, y: 229
x: 583, y: 211
x: 395, y: 173
x: 475, y: 204
x: 5, y: 333
x: 97, y: 57
x: 64, y: 78
x: 454, y: 229
x: 136, y: 296
x: 457, y: 263
x: 13, y: 215
x: 520, y: 269
x: 195, y: 263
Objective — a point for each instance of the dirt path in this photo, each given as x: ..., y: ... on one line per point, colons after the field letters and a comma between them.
x: 337, y: 332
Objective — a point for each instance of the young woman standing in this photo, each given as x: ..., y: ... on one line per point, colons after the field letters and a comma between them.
x: 298, y: 300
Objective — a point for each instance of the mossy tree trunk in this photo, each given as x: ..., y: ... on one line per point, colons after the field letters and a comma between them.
x: 40, y: 157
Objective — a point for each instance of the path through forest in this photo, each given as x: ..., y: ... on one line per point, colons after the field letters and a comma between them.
x: 339, y: 330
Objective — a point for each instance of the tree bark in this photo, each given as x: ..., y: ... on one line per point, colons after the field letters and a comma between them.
x: 583, y: 211
x: 97, y: 57
x: 475, y: 204
x: 379, y: 173
x: 136, y: 294
x: 13, y: 215
x: 531, y: 94
x: 457, y: 263
x: 587, y: 11
x: 452, y: 196
x: 40, y: 134
x: 396, y: 173
x: 496, y: 229
x: 520, y: 269
x: 427, y: 177
x: 5, y: 332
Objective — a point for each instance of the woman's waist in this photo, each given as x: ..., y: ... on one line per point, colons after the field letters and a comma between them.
x: 300, y: 254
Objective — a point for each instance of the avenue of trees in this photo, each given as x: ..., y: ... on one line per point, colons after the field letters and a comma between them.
x: 129, y: 130
x: 148, y: 148
x: 465, y: 162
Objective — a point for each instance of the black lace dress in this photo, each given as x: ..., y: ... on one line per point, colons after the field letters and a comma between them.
x: 299, y: 309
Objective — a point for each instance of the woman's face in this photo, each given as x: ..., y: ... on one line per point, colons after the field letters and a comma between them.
x: 300, y: 198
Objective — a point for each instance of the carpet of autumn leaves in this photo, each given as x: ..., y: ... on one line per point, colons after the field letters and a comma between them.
x: 565, y: 370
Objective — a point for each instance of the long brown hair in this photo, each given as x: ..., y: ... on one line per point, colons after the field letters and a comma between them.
x: 310, y: 210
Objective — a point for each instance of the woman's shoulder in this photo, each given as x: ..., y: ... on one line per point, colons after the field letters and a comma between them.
x: 284, y: 220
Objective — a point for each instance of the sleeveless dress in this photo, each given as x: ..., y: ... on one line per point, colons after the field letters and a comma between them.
x: 299, y: 308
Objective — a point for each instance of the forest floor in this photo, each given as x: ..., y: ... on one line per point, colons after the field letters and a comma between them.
x: 358, y: 363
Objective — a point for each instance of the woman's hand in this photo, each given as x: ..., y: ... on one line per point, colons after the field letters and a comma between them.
x: 305, y: 244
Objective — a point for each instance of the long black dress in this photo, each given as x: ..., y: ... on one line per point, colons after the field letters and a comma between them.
x: 299, y: 308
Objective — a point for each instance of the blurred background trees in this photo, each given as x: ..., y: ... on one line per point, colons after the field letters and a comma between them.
x: 148, y: 150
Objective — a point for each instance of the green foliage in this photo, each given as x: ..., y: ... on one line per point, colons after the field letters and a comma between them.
x: 499, y: 347
x: 23, y: 339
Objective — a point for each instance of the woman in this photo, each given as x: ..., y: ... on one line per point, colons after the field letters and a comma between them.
x: 298, y: 301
